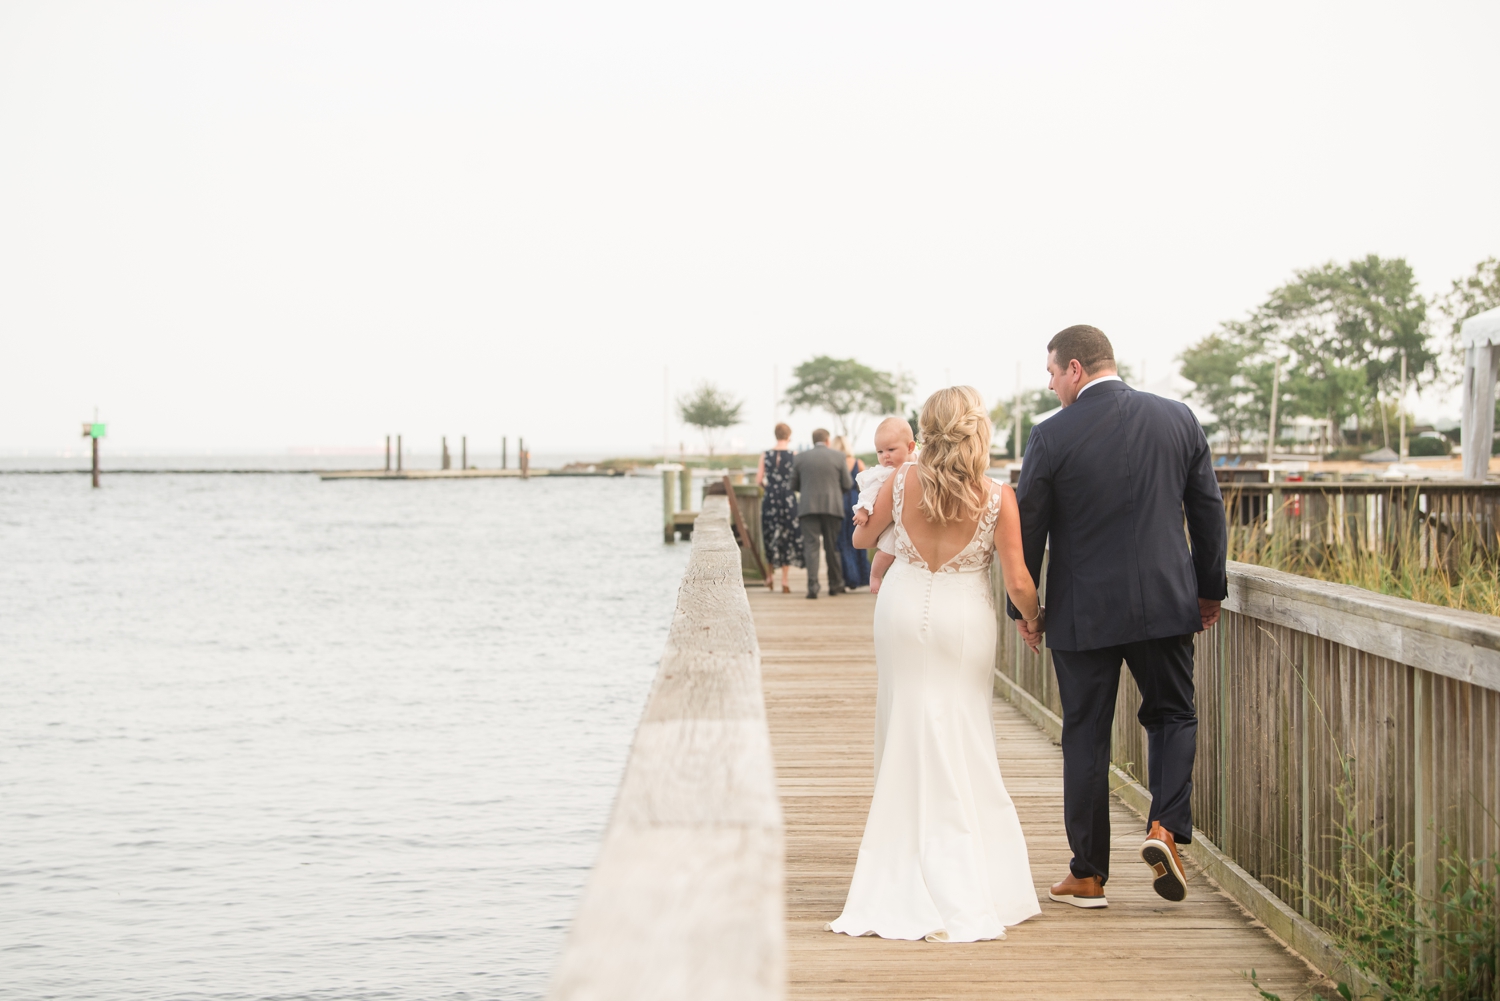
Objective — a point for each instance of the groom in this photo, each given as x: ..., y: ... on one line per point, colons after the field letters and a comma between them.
x: 1107, y: 485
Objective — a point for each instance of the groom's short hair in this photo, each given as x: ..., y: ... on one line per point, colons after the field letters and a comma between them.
x: 820, y: 436
x: 1086, y: 344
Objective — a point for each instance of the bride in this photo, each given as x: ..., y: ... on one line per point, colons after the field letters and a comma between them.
x: 943, y: 857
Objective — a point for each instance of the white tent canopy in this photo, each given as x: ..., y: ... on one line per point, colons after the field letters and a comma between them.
x: 1480, y: 336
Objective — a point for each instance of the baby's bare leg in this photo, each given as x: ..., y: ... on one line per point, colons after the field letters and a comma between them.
x: 878, y: 567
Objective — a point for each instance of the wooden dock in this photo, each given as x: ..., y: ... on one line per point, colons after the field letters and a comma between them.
x: 818, y: 670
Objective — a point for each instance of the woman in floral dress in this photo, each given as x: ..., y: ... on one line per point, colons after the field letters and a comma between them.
x: 778, y: 508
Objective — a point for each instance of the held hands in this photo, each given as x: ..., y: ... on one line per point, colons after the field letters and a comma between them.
x: 1031, y: 631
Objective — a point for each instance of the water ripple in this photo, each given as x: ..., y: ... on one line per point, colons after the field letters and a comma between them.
x: 268, y: 738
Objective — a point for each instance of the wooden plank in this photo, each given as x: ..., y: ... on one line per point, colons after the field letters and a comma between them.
x: 1448, y: 641
x: 685, y: 901
x: 818, y: 670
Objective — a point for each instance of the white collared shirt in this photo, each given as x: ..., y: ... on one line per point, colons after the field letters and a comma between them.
x: 1091, y: 384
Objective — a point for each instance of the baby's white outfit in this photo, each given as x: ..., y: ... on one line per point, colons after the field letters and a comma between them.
x: 870, y: 481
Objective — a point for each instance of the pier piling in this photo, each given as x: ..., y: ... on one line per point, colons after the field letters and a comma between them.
x: 668, y: 505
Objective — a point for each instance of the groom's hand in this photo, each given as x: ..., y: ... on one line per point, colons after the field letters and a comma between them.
x: 1208, y: 611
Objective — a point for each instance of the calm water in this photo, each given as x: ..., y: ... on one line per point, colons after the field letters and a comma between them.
x: 267, y: 737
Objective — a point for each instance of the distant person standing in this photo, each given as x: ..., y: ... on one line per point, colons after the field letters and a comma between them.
x: 778, y: 509
x: 855, y: 562
x: 821, y: 478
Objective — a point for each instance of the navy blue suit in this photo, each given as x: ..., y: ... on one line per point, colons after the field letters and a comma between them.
x: 1107, y: 486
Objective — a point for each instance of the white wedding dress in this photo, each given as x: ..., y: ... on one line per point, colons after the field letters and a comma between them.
x: 943, y: 857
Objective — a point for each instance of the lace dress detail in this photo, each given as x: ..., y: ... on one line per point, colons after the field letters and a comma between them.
x: 976, y: 556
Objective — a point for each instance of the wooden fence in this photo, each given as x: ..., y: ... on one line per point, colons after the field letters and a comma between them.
x: 1372, y: 516
x: 1318, y: 703
x: 686, y: 899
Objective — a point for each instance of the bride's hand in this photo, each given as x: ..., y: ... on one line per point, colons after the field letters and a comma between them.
x: 1032, y: 638
x: 1032, y: 630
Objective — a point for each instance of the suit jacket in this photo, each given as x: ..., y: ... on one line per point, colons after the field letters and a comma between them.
x: 821, y: 477
x: 1110, y: 480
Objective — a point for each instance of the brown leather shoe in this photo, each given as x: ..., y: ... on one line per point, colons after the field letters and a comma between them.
x: 1085, y: 892
x: 1160, y: 853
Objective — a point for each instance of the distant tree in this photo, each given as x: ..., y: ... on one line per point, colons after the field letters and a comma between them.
x: 1030, y: 403
x: 1468, y: 297
x: 847, y: 390
x: 1361, y: 315
x: 710, y: 410
x: 1223, y: 382
x: 1338, y: 332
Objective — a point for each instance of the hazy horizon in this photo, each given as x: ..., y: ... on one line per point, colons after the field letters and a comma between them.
x: 275, y: 225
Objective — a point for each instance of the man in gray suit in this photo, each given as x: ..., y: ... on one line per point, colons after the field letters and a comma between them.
x: 821, y: 478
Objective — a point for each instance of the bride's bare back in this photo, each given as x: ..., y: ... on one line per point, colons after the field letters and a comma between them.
x: 932, y: 539
x: 937, y: 544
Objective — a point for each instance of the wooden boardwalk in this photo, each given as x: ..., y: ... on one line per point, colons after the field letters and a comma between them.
x: 818, y: 667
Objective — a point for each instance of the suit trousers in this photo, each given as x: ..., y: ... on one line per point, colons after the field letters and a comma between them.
x: 822, y: 530
x: 1087, y: 682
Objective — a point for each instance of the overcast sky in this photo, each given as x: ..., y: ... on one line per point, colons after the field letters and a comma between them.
x: 265, y: 225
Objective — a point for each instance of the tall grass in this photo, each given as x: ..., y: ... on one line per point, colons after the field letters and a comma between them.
x: 1442, y: 946
x: 1416, y: 947
x: 1458, y: 573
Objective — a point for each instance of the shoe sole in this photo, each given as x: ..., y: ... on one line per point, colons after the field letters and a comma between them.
x: 1088, y: 903
x: 1170, y: 882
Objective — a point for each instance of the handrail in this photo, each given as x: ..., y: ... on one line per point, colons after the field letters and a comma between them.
x: 686, y: 899
x: 1452, y: 642
x: 1323, y: 709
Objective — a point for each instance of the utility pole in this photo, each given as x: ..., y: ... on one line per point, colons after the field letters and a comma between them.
x: 464, y: 452
x: 398, y: 453
x: 1016, y: 416
x: 1275, y: 393
x: 1401, y: 406
x: 504, y: 452
x: 387, y: 453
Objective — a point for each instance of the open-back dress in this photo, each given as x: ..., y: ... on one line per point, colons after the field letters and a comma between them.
x: 943, y: 857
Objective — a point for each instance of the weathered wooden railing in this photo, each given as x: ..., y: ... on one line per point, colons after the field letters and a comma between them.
x: 1370, y: 516
x: 1318, y: 704
x: 686, y: 899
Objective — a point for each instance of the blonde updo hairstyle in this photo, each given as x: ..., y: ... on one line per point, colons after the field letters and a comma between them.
x: 955, y: 454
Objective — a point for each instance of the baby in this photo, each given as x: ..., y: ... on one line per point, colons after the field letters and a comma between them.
x: 894, y: 446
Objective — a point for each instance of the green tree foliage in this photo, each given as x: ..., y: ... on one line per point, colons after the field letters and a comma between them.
x: 1468, y: 297
x: 1032, y: 402
x: 1232, y: 372
x: 710, y: 410
x: 846, y: 389
x: 1338, y: 331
